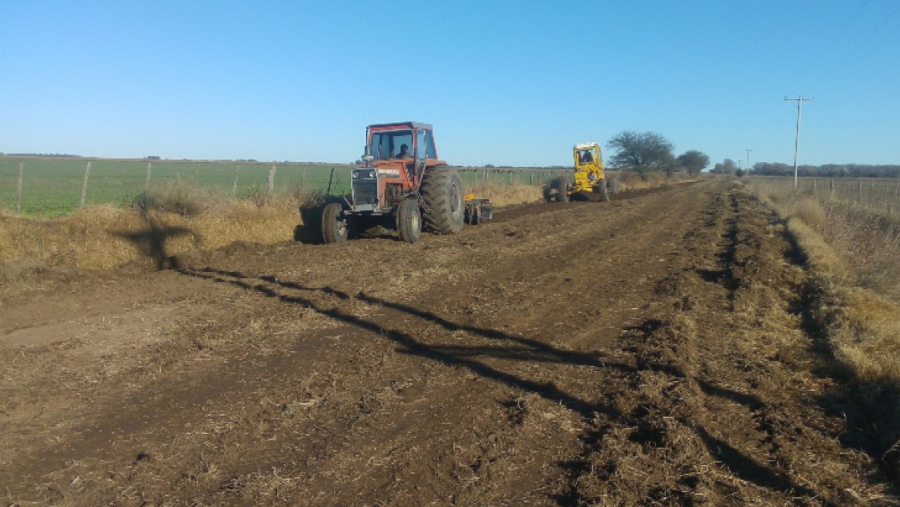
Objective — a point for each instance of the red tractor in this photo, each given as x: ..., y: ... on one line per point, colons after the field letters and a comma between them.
x: 402, y: 185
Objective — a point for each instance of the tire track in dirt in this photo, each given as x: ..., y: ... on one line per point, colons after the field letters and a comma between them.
x: 714, y: 418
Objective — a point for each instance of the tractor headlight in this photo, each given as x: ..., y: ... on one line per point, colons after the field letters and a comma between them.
x: 363, y: 173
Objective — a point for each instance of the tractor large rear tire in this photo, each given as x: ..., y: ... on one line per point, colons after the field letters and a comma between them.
x: 442, y: 193
x: 334, y: 226
x: 409, y: 220
x: 561, y: 188
x: 604, y: 190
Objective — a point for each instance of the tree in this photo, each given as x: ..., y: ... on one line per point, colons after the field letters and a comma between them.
x: 641, y: 151
x: 726, y: 167
x: 693, y: 162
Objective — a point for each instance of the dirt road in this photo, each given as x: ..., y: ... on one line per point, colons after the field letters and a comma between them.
x: 651, y: 350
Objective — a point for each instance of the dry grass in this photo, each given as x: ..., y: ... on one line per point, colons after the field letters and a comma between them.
x: 858, y: 256
x: 506, y: 195
x: 102, y: 237
x: 170, y: 221
x: 866, y: 335
x: 854, y: 260
x: 180, y: 197
x: 865, y: 246
x: 810, y: 211
x: 630, y: 180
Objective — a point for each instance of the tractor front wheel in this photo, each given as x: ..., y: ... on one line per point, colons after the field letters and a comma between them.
x: 334, y: 226
x: 409, y: 220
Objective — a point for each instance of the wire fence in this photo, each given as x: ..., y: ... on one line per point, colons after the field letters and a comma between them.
x: 52, y: 186
x: 881, y: 195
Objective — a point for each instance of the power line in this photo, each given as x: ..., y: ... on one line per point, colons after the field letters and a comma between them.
x: 800, y: 101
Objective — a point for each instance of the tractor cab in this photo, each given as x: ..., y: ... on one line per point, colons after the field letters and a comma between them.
x: 395, y: 160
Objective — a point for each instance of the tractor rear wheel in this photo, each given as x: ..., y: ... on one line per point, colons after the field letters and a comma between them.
x: 334, y: 227
x: 604, y: 190
x: 442, y: 193
x: 409, y: 220
x: 561, y: 187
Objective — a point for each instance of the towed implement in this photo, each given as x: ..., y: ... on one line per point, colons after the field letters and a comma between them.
x: 588, y: 180
x: 402, y: 186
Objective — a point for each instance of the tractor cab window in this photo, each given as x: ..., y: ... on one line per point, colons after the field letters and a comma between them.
x: 386, y: 145
x: 429, y: 145
x: 586, y: 156
x: 425, y: 144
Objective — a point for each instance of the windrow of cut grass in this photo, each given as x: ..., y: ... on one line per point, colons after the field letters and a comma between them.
x: 852, y: 301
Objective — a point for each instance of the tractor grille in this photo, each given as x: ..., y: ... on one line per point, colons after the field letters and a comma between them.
x: 365, y: 191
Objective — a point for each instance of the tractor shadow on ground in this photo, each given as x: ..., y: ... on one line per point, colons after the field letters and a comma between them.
x: 510, y: 347
x: 309, y: 230
x: 515, y: 347
x: 151, y: 242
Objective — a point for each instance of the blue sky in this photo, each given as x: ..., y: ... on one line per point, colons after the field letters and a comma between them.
x: 503, y: 82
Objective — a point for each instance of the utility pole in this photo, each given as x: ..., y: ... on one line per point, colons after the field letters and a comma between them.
x: 748, y: 150
x: 800, y: 101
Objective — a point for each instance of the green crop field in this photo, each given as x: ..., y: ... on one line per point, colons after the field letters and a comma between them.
x: 52, y: 186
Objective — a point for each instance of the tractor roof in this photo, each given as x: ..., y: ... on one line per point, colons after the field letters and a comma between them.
x: 586, y: 146
x: 402, y: 124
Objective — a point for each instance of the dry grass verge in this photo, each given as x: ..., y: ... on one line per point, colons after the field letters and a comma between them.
x: 102, y: 237
x: 853, y: 257
x: 168, y: 222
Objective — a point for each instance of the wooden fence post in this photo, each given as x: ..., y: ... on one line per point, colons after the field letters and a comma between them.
x: 271, y: 183
x: 84, y: 185
x: 147, y: 181
x: 19, y: 187
x: 237, y: 169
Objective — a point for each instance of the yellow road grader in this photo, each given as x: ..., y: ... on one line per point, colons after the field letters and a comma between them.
x: 588, y: 181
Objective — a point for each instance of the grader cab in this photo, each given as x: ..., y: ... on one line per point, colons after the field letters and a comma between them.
x: 588, y: 180
x: 402, y: 185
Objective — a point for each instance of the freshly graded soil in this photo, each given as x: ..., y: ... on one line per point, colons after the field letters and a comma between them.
x: 653, y: 350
